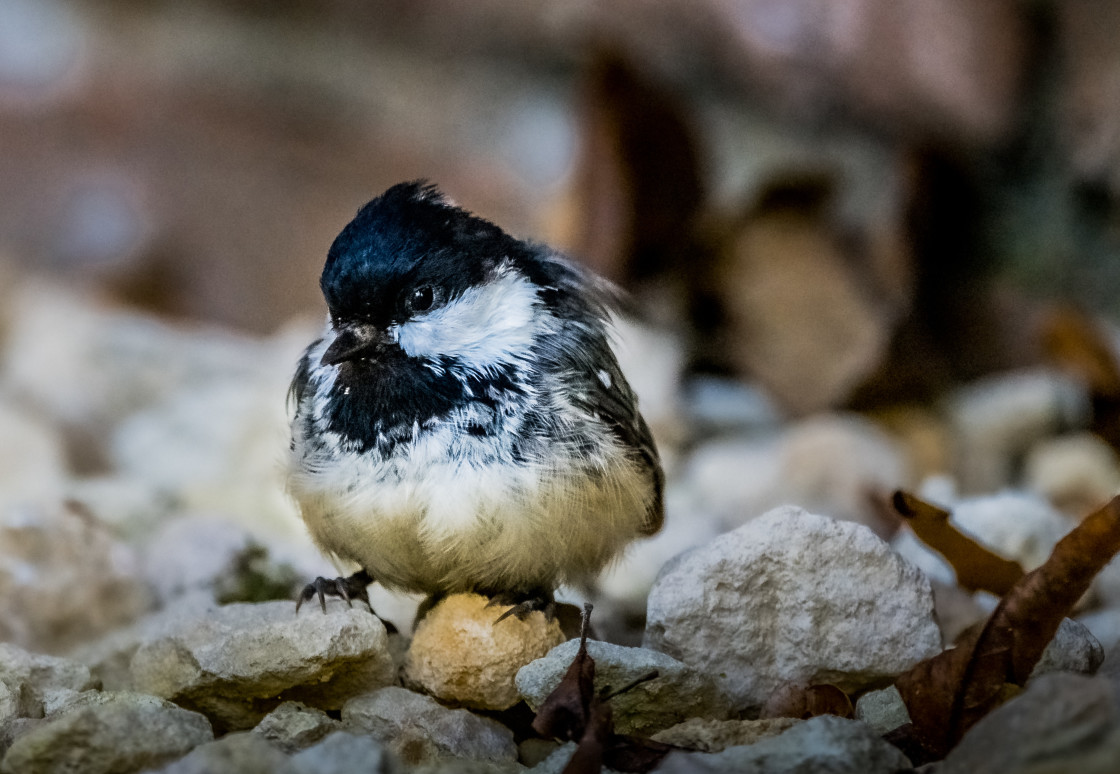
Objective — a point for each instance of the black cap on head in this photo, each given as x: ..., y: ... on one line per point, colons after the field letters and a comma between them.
x: 408, y: 237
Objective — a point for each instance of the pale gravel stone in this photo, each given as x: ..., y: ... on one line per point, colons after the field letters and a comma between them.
x: 115, y: 733
x: 826, y: 464
x: 459, y: 654
x: 998, y: 418
x: 883, y: 710
x: 64, y: 578
x: 716, y: 735
x: 419, y: 729
x: 821, y: 744
x: 793, y: 597
x: 343, y: 752
x: 1059, y: 719
x: 240, y: 753
x: 293, y: 726
x: 236, y: 663
x: 678, y: 692
x: 1073, y: 649
x: 37, y: 683
x: 9, y: 703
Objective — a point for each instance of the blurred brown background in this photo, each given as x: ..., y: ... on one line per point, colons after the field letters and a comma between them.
x: 852, y: 202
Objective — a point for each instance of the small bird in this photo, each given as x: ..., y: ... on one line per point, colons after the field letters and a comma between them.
x: 463, y: 424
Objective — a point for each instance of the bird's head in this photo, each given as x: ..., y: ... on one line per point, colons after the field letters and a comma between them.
x: 415, y: 276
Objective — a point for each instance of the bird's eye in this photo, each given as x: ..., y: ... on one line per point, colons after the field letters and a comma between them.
x: 420, y: 300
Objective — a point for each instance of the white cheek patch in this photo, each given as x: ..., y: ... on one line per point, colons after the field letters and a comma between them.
x: 487, y: 326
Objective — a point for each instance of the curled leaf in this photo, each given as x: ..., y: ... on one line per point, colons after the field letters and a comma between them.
x: 567, y: 710
x: 947, y: 694
x: 977, y: 567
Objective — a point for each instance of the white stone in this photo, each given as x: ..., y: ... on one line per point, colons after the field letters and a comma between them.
x: 190, y: 554
x: 293, y: 726
x: 678, y: 693
x: 1073, y: 649
x: 32, y: 457
x: 821, y: 744
x: 344, y: 752
x: 827, y: 464
x: 235, y: 663
x: 883, y: 710
x: 420, y: 730
x: 996, y: 420
x: 240, y: 753
x: 64, y: 578
x: 793, y: 597
x: 109, y: 734
x: 1076, y: 472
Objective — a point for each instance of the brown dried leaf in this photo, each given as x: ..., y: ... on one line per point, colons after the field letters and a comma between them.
x: 977, y: 567
x: 588, y: 757
x: 947, y: 694
x: 567, y: 710
x: 794, y: 700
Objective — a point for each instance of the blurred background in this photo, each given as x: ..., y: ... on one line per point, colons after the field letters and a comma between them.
x: 871, y: 243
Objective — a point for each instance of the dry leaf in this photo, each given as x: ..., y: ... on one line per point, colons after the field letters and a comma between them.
x: 977, y: 567
x: 574, y: 711
x: 565, y: 713
x: 947, y: 694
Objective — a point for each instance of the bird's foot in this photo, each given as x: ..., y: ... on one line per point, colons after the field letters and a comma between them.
x: 521, y: 605
x: 347, y: 589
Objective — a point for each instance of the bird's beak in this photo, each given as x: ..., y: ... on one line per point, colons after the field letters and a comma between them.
x: 353, y: 341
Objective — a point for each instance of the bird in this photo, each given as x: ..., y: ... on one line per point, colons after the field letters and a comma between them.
x: 462, y: 424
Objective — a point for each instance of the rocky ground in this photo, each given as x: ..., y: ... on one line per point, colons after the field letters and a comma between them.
x: 149, y: 560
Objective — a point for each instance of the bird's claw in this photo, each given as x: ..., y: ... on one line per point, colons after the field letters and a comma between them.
x: 521, y: 606
x: 347, y: 589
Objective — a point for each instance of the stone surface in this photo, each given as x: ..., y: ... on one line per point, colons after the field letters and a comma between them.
x: 116, y: 734
x: 717, y: 735
x: 236, y: 663
x: 822, y: 744
x: 1105, y: 627
x: 997, y: 419
x: 1057, y: 719
x: 293, y: 726
x: 459, y: 654
x: 64, y: 578
x: 191, y: 553
x: 36, y: 683
x: 793, y: 597
x: 1076, y: 472
x: 826, y: 464
x: 678, y: 693
x: 882, y: 710
x: 32, y: 457
x: 419, y: 729
x: 9, y: 703
x: 240, y: 753
x: 1073, y: 649
x: 343, y: 752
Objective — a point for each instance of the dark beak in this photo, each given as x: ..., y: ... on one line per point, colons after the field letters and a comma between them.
x: 354, y: 341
